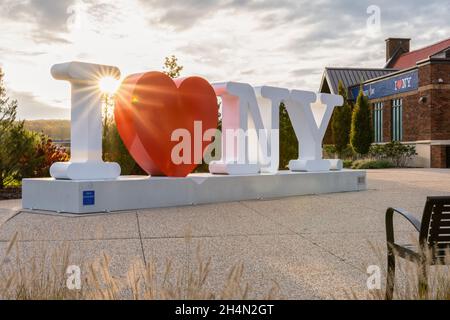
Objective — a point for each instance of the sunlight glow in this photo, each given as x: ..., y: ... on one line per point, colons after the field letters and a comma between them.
x: 108, y: 85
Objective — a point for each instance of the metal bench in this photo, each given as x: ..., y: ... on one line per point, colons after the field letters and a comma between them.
x: 434, y: 241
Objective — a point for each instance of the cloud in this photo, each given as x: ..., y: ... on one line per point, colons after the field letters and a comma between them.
x: 48, y: 19
x: 304, y: 72
x: 184, y: 14
x: 275, y: 42
x: 52, y: 15
x: 48, y: 15
x: 181, y: 14
x: 31, y: 108
x: 8, y: 51
x: 46, y: 37
x: 52, y: 20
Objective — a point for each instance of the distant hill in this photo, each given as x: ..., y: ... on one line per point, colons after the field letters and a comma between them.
x: 55, y: 129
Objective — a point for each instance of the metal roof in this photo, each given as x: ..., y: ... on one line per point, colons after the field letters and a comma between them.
x: 350, y: 76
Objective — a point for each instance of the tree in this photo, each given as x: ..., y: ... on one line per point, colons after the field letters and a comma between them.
x: 15, y: 142
x: 361, y: 136
x: 55, y: 129
x: 23, y: 153
x: 171, y: 67
x: 16, y: 153
x: 8, y: 109
x: 341, y: 123
x: 114, y: 149
x: 288, y: 139
x: 107, y: 113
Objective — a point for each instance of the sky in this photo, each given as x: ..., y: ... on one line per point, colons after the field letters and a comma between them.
x: 285, y: 43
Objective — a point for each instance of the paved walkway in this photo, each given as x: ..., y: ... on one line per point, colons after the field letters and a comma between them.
x: 313, y: 247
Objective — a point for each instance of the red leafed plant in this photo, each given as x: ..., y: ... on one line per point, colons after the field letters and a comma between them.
x: 37, y: 160
x: 48, y: 153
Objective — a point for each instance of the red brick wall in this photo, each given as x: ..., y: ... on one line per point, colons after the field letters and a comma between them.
x: 440, y: 114
x: 439, y: 96
x: 435, y: 71
x: 387, y: 115
x: 438, y: 157
x: 424, y: 75
x: 438, y: 102
x: 416, y: 118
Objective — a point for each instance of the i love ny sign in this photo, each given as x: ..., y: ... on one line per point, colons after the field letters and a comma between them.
x: 170, y: 126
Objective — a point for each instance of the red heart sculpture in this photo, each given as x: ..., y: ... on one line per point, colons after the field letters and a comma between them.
x: 151, y: 106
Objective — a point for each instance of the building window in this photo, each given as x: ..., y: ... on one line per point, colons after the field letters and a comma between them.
x: 378, y: 121
x: 397, y: 125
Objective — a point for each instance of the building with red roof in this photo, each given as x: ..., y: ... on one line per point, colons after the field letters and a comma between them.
x: 403, y: 59
x: 409, y: 97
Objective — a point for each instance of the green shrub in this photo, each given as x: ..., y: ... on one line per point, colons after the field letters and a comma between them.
x: 348, y: 153
x: 372, y: 164
x: 348, y: 164
x: 330, y: 152
x: 397, y: 153
x: 114, y: 150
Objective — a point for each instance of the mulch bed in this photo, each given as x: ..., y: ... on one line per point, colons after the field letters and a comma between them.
x: 10, y: 193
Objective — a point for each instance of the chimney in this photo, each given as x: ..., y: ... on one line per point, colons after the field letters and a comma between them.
x: 392, y: 44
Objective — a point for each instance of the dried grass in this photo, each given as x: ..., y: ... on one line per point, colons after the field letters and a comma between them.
x: 406, y: 279
x: 44, y: 278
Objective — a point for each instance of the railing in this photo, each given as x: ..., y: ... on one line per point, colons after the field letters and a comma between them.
x: 62, y: 143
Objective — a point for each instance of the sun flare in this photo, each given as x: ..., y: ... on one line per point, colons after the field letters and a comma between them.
x: 108, y: 85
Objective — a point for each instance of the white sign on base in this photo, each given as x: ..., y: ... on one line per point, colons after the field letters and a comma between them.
x: 248, y: 170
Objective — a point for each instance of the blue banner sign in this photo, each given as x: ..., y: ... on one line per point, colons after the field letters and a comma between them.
x: 89, y: 198
x: 387, y: 87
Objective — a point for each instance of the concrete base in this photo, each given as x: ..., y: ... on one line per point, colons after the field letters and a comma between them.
x: 310, y: 165
x: 132, y: 193
x: 85, y: 170
x: 233, y: 168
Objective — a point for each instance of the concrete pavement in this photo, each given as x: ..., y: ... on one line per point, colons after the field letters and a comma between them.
x: 312, y: 247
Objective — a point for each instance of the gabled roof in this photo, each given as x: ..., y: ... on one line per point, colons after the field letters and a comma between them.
x: 408, y: 60
x: 444, y: 54
x: 349, y: 77
x: 394, y: 57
